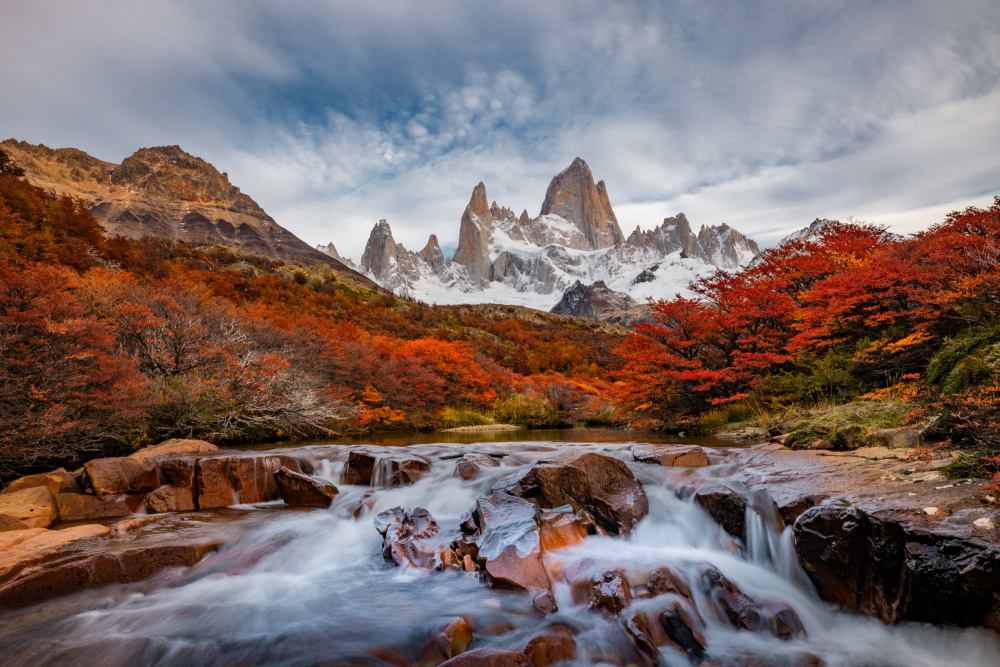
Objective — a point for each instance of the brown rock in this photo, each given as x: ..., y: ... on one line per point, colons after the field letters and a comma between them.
x: 726, y: 506
x: 573, y: 196
x: 552, y: 645
x: 560, y: 527
x: 173, y: 446
x: 215, y: 487
x: 894, y: 438
x: 475, y: 234
x: 470, y: 465
x: 819, y: 444
x: 488, y: 657
x: 383, y: 467
x: 738, y: 608
x: 10, y: 523
x: 298, y: 489
x: 34, y: 506
x: 410, y: 539
x: 93, y: 570
x: 17, y: 551
x: 80, y: 507
x: 677, y: 457
x: 601, y: 484
x: 510, y: 545
x: 446, y: 641
x: 57, y: 481
x: 664, y: 581
x: 171, y: 499
x: 127, y: 526
x: 113, y: 476
x: 254, y: 478
x: 178, y: 471
x: 606, y: 591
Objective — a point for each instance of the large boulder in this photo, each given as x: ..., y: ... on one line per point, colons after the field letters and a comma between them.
x: 80, y: 507
x: 726, y: 506
x: 57, y: 481
x: 671, y: 456
x: 170, y: 498
x: 899, y: 567
x: 906, y: 437
x: 34, y: 506
x: 255, y: 478
x: 510, y: 548
x: 298, y: 489
x: 215, y: 486
x: 113, y: 476
x: 173, y: 446
x: 383, y: 467
x: 470, y: 465
x: 411, y: 539
x: 602, y: 485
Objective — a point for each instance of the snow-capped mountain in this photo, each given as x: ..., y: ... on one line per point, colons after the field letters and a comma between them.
x: 507, y: 258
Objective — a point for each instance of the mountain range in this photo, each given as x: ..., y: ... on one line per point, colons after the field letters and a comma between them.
x: 574, y: 242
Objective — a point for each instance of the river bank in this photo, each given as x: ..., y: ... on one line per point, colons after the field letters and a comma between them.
x: 707, y: 511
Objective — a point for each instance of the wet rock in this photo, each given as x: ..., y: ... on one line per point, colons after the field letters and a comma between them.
x: 298, y: 489
x: 672, y: 622
x: 606, y: 591
x: 554, y: 644
x: 114, y: 476
x: 93, y: 570
x: 24, y: 547
x: 677, y: 457
x: 383, y: 467
x: 57, y: 481
x: 833, y: 545
x: 170, y: 499
x: 173, y: 446
x: 560, y: 527
x: 795, y: 506
x: 177, y: 471
x: 663, y: 581
x: 410, y: 539
x: 80, y: 507
x: 783, y: 622
x: 601, y: 484
x: 470, y: 465
x: 509, y: 545
x: 894, y: 438
x: 215, y: 487
x: 365, y: 504
x: 34, y: 506
x: 726, y: 506
x: 637, y: 628
x: 488, y: 657
x: 254, y: 476
x: 389, y: 656
x: 446, y: 641
x: 739, y: 609
x: 127, y: 526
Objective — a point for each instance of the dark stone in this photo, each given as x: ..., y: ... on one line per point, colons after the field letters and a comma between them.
x: 726, y: 506
x: 298, y: 489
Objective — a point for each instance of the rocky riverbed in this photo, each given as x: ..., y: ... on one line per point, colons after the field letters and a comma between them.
x: 500, y: 553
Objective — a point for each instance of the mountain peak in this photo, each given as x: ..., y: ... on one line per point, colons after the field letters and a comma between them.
x: 573, y: 196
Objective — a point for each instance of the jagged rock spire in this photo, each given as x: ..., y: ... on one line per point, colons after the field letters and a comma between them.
x: 573, y: 196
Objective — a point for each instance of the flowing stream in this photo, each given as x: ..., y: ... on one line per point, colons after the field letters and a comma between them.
x: 312, y: 588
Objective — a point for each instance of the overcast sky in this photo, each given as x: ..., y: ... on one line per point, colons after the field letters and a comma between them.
x: 332, y: 115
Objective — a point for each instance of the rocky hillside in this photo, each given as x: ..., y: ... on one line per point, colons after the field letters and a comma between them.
x: 599, y: 302
x: 165, y: 192
x: 504, y: 257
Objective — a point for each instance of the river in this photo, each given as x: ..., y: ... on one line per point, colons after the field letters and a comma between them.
x: 311, y: 588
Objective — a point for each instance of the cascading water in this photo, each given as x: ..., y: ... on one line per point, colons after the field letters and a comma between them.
x: 312, y: 588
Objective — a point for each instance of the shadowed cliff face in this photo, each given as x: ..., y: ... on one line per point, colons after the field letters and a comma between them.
x: 166, y: 192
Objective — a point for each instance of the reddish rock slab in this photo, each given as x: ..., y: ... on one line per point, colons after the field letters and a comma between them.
x: 298, y: 489
x: 470, y: 465
x: 34, y: 506
x: 554, y: 644
x: 560, y: 527
x: 10, y: 523
x: 742, y: 611
x: 173, y: 446
x: 383, y: 467
x: 57, y: 481
x: 215, y: 487
x: 488, y: 657
x: 676, y: 457
x: 510, y: 548
x: 178, y: 471
x: 171, y: 499
x: 726, y: 506
x: 25, y: 547
x: 80, y: 507
x: 93, y: 570
x: 114, y: 476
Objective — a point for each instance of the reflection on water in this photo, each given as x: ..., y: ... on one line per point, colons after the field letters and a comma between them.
x: 311, y: 588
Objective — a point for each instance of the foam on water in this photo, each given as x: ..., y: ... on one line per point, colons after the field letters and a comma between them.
x: 304, y: 588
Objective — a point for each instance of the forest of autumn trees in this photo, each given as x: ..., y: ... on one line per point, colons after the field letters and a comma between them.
x: 107, y: 344
x: 852, y: 313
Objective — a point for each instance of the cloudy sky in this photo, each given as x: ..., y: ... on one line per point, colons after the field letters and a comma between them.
x: 332, y: 115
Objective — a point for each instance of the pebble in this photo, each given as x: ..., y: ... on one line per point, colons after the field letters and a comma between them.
x: 946, y: 486
x: 931, y: 511
x: 985, y: 522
